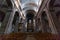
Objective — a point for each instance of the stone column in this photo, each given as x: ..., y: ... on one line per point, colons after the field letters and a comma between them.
x: 37, y: 26
x: 4, y: 23
x: 9, y: 24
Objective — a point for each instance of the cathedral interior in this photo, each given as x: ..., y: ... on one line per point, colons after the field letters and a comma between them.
x: 29, y: 19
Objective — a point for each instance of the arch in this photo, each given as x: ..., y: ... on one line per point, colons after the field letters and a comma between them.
x: 15, y: 17
x: 45, y: 23
x: 15, y: 22
x: 30, y: 14
x: 30, y: 17
x: 32, y: 4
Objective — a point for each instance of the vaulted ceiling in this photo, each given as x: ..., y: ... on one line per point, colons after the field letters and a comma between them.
x: 30, y: 4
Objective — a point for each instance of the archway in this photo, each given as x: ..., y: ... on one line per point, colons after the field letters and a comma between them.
x: 15, y: 22
x: 30, y: 17
x: 45, y: 23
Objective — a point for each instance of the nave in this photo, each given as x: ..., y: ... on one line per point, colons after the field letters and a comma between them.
x: 29, y: 19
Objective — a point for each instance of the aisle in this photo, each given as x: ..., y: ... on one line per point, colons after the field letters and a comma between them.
x: 30, y: 37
